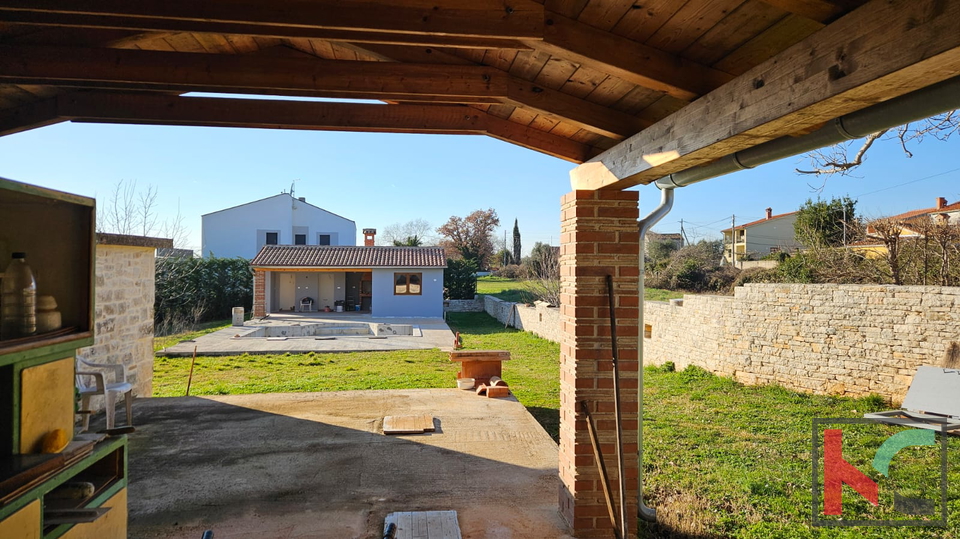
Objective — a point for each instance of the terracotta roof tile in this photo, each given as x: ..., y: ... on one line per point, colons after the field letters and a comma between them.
x: 327, y: 256
x: 758, y: 221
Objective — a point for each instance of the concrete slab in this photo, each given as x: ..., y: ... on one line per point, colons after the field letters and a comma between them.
x: 428, y: 333
x: 316, y: 465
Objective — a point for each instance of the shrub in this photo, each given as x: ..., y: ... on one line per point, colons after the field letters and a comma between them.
x: 460, y: 279
x: 510, y: 271
x: 193, y: 290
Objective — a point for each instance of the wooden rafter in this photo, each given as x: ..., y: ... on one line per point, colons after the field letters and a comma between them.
x: 822, y: 11
x: 626, y: 59
x: 145, y: 108
x: 554, y: 104
x: 858, y: 60
x: 141, y: 24
x: 511, y: 19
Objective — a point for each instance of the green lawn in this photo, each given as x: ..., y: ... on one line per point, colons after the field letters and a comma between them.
x: 513, y: 290
x: 533, y: 372
x: 721, y: 459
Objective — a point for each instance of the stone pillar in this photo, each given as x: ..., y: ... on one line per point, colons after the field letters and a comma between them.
x: 259, y: 293
x: 599, y: 237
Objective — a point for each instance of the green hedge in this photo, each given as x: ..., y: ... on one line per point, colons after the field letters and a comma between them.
x: 193, y: 290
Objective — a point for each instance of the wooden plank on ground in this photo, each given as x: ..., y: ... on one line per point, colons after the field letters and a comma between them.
x: 408, y: 424
x: 424, y: 524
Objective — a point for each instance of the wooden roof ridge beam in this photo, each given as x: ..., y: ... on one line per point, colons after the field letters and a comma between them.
x: 175, y: 71
x: 627, y: 59
x: 30, y: 116
x: 505, y: 19
x: 882, y: 50
x: 142, y: 108
x: 140, y: 24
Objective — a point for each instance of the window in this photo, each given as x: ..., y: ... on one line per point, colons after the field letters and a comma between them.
x: 407, y: 284
x: 273, y: 238
x: 323, y: 239
x: 299, y: 239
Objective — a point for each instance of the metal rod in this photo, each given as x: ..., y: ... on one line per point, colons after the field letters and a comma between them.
x: 648, y: 514
x: 616, y: 406
x: 190, y: 378
x: 598, y: 456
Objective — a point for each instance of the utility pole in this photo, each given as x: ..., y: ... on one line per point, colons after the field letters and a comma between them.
x: 683, y: 234
x: 844, y: 206
x: 733, y: 240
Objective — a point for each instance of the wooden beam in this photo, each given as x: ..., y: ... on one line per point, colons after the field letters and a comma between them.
x: 138, y: 69
x: 554, y: 104
x: 143, y: 108
x: 29, y: 116
x: 883, y: 50
x: 627, y: 59
x: 140, y: 24
x: 504, y: 19
x: 111, y: 107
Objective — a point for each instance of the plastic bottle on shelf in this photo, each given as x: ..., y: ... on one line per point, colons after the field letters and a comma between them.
x: 18, y: 301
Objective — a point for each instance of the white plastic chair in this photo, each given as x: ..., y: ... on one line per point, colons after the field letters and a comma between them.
x: 110, y: 391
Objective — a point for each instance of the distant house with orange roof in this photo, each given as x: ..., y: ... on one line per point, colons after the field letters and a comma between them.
x: 909, y: 222
x: 772, y: 234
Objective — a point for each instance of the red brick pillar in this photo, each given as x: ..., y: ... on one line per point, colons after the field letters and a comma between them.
x: 599, y: 237
x: 259, y: 293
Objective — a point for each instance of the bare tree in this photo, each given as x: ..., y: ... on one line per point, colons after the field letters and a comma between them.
x: 889, y: 231
x: 133, y: 211
x: 843, y: 158
x: 411, y: 233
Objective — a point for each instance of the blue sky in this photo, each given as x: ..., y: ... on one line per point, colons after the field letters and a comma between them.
x: 381, y: 179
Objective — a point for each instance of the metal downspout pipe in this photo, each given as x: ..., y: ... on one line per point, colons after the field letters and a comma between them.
x: 929, y: 101
x: 666, y: 204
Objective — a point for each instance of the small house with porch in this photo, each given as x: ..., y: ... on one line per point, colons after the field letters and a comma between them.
x: 379, y: 280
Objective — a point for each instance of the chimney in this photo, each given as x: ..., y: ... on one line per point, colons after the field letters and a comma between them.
x: 769, y: 213
x: 941, y: 202
x: 302, y: 199
x: 368, y: 237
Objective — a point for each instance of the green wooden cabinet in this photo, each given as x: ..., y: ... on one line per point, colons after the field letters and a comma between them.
x: 57, y: 232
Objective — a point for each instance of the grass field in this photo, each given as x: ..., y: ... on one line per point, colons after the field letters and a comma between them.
x: 513, y: 290
x: 721, y: 459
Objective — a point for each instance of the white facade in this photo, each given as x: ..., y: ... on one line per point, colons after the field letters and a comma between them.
x: 242, y: 230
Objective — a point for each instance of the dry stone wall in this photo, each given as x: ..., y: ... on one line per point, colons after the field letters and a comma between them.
x: 825, y: 339
x: 540, y: 319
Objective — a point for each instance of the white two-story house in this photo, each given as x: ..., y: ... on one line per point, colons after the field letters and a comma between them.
x: 241, y: 231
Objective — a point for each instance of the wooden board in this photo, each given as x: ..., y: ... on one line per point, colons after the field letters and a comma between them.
x: 24, y: 524
x: 407, y: 424
x: 46, y: 402
x: 112, y: 524
x: 424, y: 525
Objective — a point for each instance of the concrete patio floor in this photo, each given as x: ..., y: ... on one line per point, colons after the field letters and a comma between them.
x: 431, y: 333
x: 315, y: 465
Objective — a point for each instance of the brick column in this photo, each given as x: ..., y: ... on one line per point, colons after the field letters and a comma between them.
x: 259, y: 293
x: 599, y: 237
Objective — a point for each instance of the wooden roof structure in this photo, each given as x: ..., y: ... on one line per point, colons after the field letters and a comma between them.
x: 633, y: 89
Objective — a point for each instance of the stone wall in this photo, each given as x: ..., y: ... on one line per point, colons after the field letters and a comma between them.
x: 125, y: 271
x: 825, y: 339
x: 463, y: 305
x: 540, y: 318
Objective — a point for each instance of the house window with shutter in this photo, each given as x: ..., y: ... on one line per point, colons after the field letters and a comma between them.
x: 407, y: 284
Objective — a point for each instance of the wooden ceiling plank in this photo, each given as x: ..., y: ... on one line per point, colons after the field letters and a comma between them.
x: 583, y: 82
x: 528, y: 64
x: 691, y: 22
x: 140, y: 24
x: 822, y: 11
x: 217, y: 72
x: 858, y: 60
x: 606, y: 14
x: 628, y: 60
x: 567, y: 8
x: 643, y: 21
x: 747, y: 21
x: 514, y: 19
x: 783, y: 34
